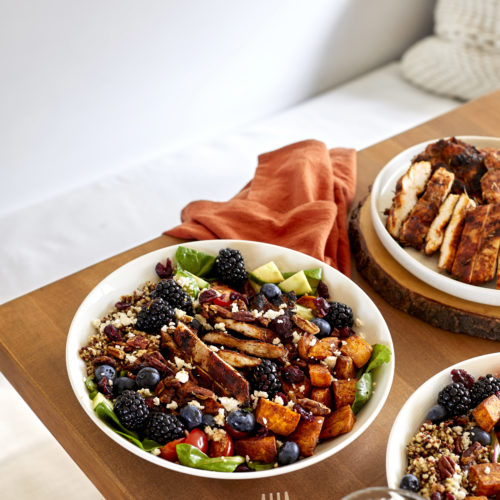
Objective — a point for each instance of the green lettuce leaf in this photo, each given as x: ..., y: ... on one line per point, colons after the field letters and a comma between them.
x: 194, y: 261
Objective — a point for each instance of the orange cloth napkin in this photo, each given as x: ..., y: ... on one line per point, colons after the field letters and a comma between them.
x: 298, y: 199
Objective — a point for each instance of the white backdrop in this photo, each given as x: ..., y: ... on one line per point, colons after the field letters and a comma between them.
x: 91, y: 88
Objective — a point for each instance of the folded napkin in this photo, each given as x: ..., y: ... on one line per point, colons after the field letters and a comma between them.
x: 298, y: 199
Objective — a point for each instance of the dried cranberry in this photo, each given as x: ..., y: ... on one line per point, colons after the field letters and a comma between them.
x: 243, y: 468
x: 306, y: 415
x: 113, y: 333
x: 345, y: 332
x: 238, y: 295
x: 122, y: 305
x: 463, y: 377
x: 321, y: 305
x: 283, y: 326
x: 207, y: 295
x: 283, y: 396
x: 436, y: 496
x: 292, y: 374
x: 322, y: 290
x: 104, y: 387
x: 164, y: 271
x: 449, y: 496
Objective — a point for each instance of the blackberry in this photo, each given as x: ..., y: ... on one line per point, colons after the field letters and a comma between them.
x: 455, y: 398
x: 172, y: 293
x: 164, y: 428
x: 339, y: 315
x: 154, y: 315
x: 230, y: 267
x: 131, y: 410
x: 265, y: 377
x: 484, y: 388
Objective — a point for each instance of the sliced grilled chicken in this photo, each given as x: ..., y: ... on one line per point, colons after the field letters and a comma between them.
x: 416, y: 226
x: 435, y: 235
x: 470, y: 243
x: 453, y: 232
x: 220, y: 371
x: 238, y: 359
x: 485, y: 260
x: 491, y: 157
x: 408, y: 188
x: 254, y: 347
x: 490, y: 186
x: 247, y: 329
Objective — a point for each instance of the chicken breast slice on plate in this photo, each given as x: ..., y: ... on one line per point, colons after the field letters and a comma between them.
x: 435, y: 235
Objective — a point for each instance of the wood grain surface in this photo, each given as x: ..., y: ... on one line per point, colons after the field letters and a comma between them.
x: 33, y: 333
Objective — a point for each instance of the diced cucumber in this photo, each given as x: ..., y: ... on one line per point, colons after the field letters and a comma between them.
x: 99, y: 398
x: 190, y: 282
x: 304, y: 312
x: 313, y: 276
x: 254, y: 285
x: 297, y: 283
x: 268, y: 273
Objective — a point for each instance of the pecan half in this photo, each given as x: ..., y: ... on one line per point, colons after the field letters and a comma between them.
x: 138, y: 342
x: 446, y: 466
x: 115, y: 352
x: 469, y: 456
x: 245, y: 316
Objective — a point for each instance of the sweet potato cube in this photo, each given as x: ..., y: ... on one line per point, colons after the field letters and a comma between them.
x: 322, y: 395
x: 320, y: 376
x: 487, y: 413
x: 298, y: 389
x: 344, y: 392
x: 338, y: 422
x: 262, y: 449
x: 307, y: 301
x: 324, y: 348
x: 485, y: 478
x: 305, y: 343
x: 358, y: 349
x: 344, y: 367
x: 307, y: 435
x: 278, y: 419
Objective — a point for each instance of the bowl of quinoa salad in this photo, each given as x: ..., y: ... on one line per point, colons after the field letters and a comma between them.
x: 114, y: 306
x: 444, y: 441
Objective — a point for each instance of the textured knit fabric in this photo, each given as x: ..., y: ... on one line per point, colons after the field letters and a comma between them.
x: 298, y: 198
x: 462, y: 59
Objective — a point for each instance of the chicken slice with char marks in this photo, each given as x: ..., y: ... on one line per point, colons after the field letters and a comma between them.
x: 435, y: 235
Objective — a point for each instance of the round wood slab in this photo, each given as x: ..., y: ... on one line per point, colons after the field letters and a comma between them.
x: 404, y: 291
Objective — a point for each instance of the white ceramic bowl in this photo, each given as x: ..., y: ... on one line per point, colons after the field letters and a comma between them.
x: 130, y: 276
x: 413, y: 413
x: 420, y: 265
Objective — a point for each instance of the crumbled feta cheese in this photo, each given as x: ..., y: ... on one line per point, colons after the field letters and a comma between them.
x: 264, y: 420
x: 121, y: 319
x: 283, y: 306
x: 278, y: 400
x: 230, y: 404
x: 261, y: 394
x: 183, y: 281
x: 172, y: 406
x: 130, y: 358
x: 313, y: 341
x: 272, y: 314
x: 302, y: 388
x: 156, y: 451
x: 144, y: 392
x: 219, y: 419
x: 330, y: 361
x: 220, y: 326
x: 196, y: 403
x: 164, y: 328
x: 179, y: 313
x: 256, y: 314
x: 276, y: 341
x: 296, y: 337
x: 180, y: 364
x: 156, y: 401
x: 358, y: 322
x: 214, y: 434
x: 182, y: 376
x: 213, y: 348
x: 290, y: 404
x: 234, y: 307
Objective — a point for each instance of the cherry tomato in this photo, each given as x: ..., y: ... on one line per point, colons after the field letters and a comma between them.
x: 220, y: 302
x: 197, y: 438
x: 222, y: 447
x: 168, y: 452
x: 234, y: 433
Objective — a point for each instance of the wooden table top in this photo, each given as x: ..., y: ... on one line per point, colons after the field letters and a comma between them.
x: 33, y: 331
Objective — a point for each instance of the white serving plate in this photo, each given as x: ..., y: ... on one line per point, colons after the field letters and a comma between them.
x: 130, y: 276
x: 414, y: 411
x: 422, y: 266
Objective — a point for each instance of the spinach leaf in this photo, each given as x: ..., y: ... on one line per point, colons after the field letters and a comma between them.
x: 381, y: 354
x: 191, y: 456
x: 194, y: 261
x: 254, y: 465
x: 364, y: 388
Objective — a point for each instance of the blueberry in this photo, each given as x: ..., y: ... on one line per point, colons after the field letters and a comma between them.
x: 196, y: 324
x: 208, y: 420
x: 241, y: 420
x: 482, y: 437
x: 191, y: 416
x: 123, y: 384
x: 147, y: 378
x: 105, y: 371
x: 324, y: 327
x: 271, y: 291
x: 409, y: 482
x: 289, y: 453
x: 436, y: 414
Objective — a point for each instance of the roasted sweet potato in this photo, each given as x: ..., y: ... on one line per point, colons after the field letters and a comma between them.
x: 307, y: 435
x: 344, y: 368
x: 278, y: 419
x: 485, y: 478
x: 305, y: 343
x: 322, y: 395
x: 357, y: 349
x: 323, y: 348
x: 320, y: 376
x: 262, y: 449
x: 338, y: 422
x: 297, y: 390
x: 487, y: 413
x: 344, y: 392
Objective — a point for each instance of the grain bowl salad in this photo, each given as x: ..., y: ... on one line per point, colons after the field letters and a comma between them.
x: 455, y: 452
x: 224, y: 369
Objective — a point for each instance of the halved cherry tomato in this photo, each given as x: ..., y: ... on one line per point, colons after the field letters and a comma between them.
x: 223, y: 447
x: 168, y: 452
x: 197, y: 438
x: 234, y: 433
x: 220, y: 302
